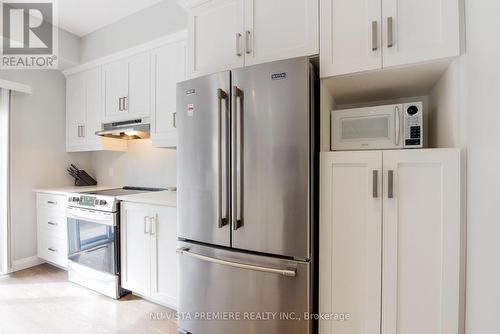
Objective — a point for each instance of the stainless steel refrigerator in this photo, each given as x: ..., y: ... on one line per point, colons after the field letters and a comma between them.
x: 246, y: 199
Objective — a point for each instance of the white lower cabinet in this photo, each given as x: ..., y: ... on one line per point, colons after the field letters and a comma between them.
x: 52, y: 238
x: 390, y: 241
x: 148, y: 251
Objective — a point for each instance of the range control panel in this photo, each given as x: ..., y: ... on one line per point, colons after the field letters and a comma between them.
x: 413, y: 125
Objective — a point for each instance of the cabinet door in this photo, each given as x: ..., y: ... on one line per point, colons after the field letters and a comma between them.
x: 115, y: 76
x: 280, y: 29
x: 135, y: 248
x: 350, y: 241
x: 138, y: 103
x: 418, y: 31
x: 350, y: 36
x: 75, y: 110
x: 421, y: 261
x: 169, y: 64
x: 93, y: 112
x: 164, y: 256
x: 216, y: 37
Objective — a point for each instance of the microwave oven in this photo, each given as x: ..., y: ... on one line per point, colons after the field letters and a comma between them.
x: 394, y: 126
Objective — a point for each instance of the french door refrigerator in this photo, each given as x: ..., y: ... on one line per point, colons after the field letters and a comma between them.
x: 246, y: 185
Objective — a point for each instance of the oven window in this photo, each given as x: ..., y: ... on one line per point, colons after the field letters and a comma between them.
x: 93, y: 245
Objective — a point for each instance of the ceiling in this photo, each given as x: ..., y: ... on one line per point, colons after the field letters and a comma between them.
x: 81, y: 17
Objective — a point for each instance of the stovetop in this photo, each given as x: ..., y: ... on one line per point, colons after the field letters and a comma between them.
x: 123, y: 191
x: 104, y: 200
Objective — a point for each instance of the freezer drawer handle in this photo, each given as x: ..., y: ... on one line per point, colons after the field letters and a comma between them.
x: 284, y: 272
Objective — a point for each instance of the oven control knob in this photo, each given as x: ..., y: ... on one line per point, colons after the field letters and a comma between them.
x: 102, y: 202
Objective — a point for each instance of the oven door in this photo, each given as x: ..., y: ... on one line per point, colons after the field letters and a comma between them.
x: 372, y: 128
x: 93, y: 239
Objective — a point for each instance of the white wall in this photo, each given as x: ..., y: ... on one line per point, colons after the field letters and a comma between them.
x: 482, y: 67
x: 141, y: 166
x: 446, y: 112
x: 151, y: 23
x: 38, y: 157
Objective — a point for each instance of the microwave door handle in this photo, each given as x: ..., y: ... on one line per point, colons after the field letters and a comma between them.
x: 397, y: 125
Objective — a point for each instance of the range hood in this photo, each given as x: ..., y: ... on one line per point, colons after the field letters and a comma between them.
x: 132, y: 129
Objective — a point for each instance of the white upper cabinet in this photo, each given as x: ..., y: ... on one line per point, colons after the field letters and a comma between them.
x: 227, y: 34
x: 280, y: 29
x: 83, y: 114
x: 418, y: 31
x: 350, y: 36
x: 169, y: 68
x: 127, y: 88
x: 75, y: 110
x: 138, y: 102
x: 363, y: 35
x: 216, y: 37
x: 115, y: 77
x: 93, y: 105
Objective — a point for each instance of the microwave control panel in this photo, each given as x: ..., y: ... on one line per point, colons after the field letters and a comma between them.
x: 413, y: 125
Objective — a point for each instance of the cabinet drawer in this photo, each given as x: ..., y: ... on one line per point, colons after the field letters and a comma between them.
x: 52, y: 249
x: 56, y: 202
x: 52, y: 221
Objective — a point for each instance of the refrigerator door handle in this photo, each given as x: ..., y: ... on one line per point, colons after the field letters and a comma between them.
x: 221, y: 99
x: 284, y: 272
x: 236, y: 168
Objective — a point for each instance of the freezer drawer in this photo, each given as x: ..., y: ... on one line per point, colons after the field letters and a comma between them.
x: 241, y: 293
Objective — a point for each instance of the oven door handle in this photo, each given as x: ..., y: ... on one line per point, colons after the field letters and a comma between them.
x: 110, y: 221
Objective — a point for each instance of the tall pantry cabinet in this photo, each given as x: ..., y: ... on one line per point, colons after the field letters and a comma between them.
x: 390, y: 241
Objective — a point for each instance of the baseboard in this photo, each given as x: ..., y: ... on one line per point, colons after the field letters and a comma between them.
x: 25, y: 263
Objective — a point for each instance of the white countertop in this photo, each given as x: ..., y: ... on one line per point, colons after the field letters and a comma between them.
x: 164, y: 198
x: 72, y: 189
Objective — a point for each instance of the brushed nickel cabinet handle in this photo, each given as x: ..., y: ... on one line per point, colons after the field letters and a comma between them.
x: 51, y: 202
x: 146, y: 225
x: 390, y: 184
x: 390, y: 32
x: 238, y: 47
x: 174, y: 120
x: 374, y: 35
x: 375, y: 184
x: 51, y: 223
x: 152, y: 225
x: 52, y: 249
x: 248, y: 34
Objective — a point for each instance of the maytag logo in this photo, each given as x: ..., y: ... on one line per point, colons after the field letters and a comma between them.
x: 278, y: 76
x: 29, y: 31
x: 190, y: 92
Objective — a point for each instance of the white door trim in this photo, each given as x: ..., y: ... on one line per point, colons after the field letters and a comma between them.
x: 5, y: 250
